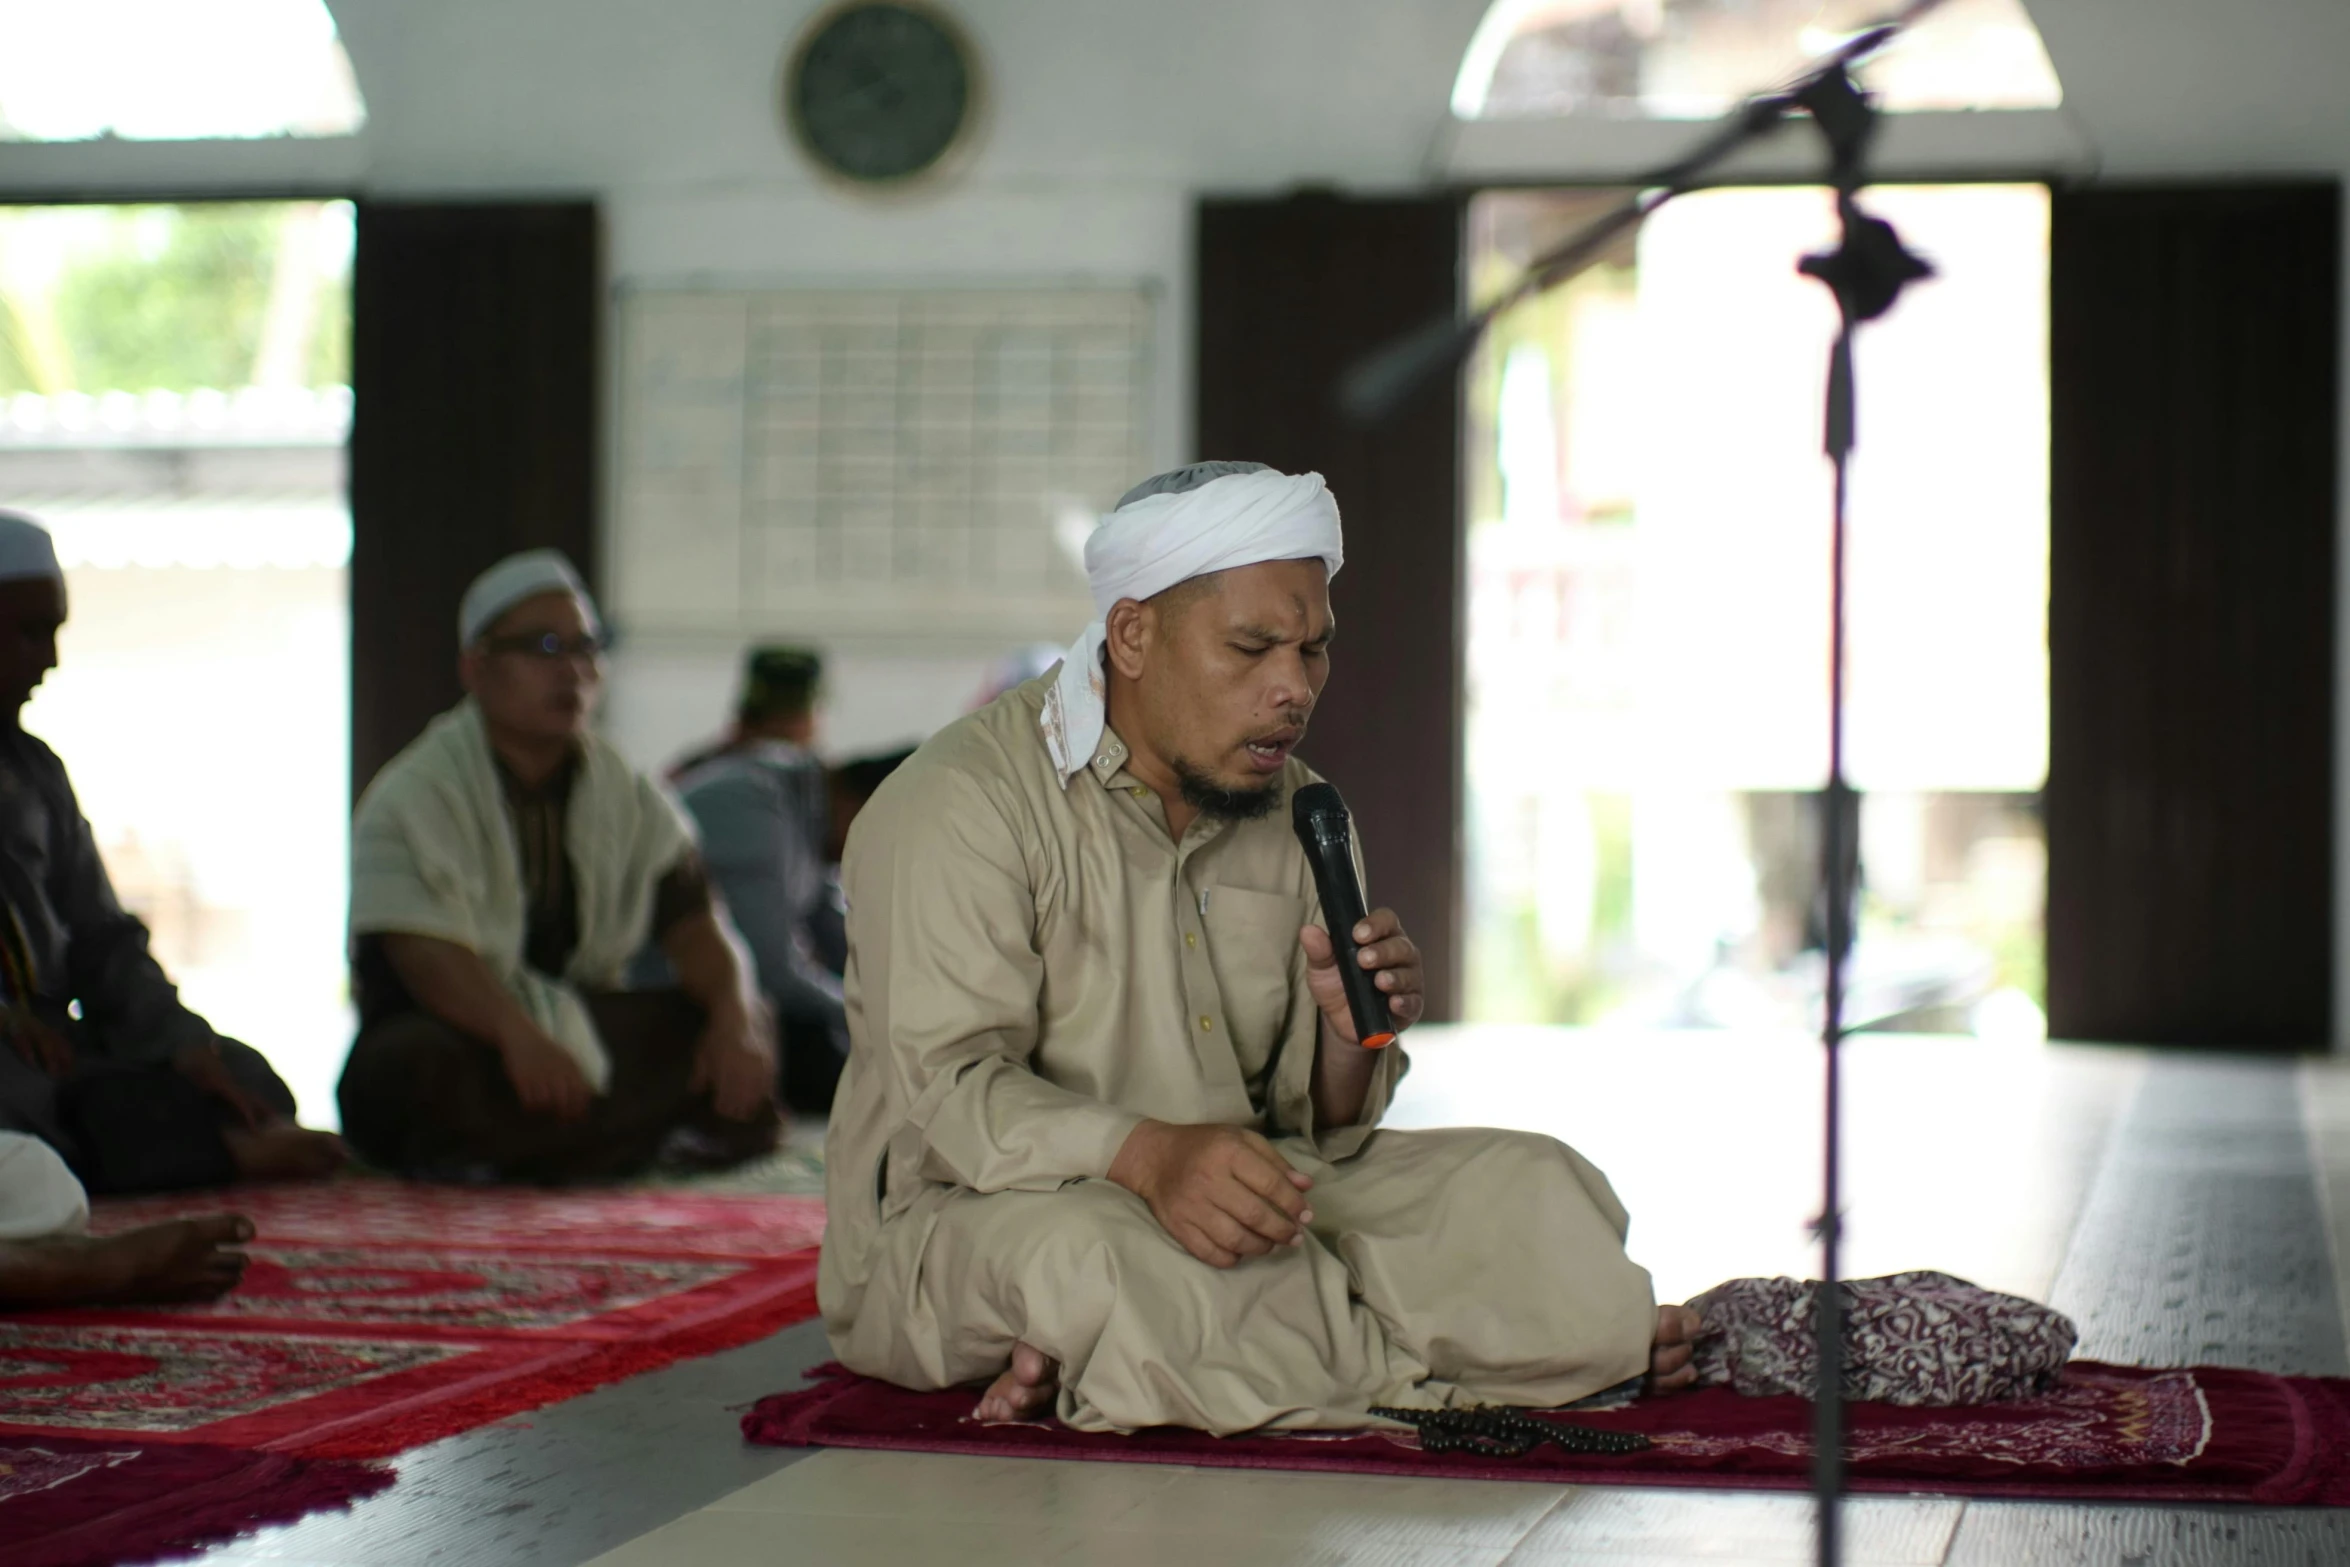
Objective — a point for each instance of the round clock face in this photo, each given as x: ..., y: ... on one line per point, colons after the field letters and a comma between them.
x: 879, y: 91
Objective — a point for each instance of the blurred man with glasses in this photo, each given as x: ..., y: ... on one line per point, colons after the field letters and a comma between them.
x: 505, y: 867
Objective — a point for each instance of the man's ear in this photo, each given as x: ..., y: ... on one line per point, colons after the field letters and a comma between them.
x: 469, y: 670
x: 1132, y: 628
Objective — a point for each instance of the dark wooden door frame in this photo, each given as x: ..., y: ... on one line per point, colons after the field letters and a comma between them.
x: 476, y: 370
x: 2195, y: 437
x: 1289, y: 291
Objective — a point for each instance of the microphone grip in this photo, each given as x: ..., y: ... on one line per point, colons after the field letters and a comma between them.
x: 1342, y: 907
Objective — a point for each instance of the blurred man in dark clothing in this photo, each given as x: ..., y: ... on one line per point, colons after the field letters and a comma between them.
x: 101, y: 1061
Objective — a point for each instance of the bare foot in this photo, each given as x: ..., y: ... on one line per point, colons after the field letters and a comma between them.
x: 1669, y: 1362
x: 282, y: 1151
x: 185, y: 1259
x: 1022, y: 1393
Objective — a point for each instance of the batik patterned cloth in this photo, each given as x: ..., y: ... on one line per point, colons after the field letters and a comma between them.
x: 1919, y: 1339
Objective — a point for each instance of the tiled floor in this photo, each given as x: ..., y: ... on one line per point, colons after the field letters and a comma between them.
x: 2176, y: 1206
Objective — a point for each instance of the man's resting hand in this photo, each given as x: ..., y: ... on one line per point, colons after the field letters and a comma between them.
x: 546, y: 1079
x: 1222, y: 1192
x: 736, y: 1060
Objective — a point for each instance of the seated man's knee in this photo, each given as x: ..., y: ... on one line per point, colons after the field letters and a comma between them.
x: 1088, y: 1239
x: 1537, y: 1153
x: 256, y: 1076
x: 646, y: 1014
x: 416, y: 1042
x: 1536, y: 1162
x: 394, y: 1071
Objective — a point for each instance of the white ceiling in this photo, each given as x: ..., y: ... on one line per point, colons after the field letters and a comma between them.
x: 1218, y: 93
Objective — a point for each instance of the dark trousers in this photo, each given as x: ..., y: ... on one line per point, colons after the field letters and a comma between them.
x: 131, y: 1129
x: 421, y: 1099
x: 812, y: 1052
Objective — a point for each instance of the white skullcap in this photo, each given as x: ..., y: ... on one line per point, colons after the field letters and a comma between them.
x: 26, y: 550
x: 510, y: 581
x: 1207, y: 518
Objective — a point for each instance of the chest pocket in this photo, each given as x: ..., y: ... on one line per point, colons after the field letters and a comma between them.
x: 1252, y: 946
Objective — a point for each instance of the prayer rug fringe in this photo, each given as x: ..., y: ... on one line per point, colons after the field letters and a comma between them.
x: 2105, y: 1433
x: 75, y: 1502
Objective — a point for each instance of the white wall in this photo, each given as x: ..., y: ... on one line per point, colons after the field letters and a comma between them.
x: 1102, y: 121
x: 1106, y: 118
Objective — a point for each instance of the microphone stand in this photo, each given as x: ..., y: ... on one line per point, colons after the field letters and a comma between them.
x: 1866, y: 273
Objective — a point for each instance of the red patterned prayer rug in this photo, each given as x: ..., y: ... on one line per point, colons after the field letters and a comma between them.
x: 2108, y: 1433
x: 378, y: 1315
x: 74, y: 1502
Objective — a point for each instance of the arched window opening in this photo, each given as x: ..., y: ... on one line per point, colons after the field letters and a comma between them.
x: 1693, y: 59
x: 173, y: 70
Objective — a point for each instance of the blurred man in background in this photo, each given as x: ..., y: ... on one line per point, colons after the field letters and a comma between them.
x: 101, y: 1061
x: 776, y: 711
x: 760, y: 801
x: 505, y: 868
x: 847, y: 789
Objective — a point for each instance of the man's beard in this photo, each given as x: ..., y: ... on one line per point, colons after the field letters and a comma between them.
x: 1211, y: 799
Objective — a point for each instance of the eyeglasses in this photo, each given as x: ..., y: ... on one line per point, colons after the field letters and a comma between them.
x: 551, y: 646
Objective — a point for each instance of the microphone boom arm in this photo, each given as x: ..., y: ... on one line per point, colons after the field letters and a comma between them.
x: 1380, y: 383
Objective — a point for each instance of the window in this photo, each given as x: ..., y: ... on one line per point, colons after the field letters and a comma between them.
x: 1648, y: 568
x: 173, y: 406
x: 1693, y: 59
x: 173, y: 70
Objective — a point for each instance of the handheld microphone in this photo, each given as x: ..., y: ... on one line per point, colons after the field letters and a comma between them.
x: 1323, y: 830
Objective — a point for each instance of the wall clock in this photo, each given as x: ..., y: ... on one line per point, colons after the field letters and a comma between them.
x: 880, y: 91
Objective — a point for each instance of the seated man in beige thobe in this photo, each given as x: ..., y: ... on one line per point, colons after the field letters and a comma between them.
x: 1106, y: 1135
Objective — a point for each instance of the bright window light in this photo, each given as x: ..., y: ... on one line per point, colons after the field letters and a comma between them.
x: 173, y: 70
x: 1648, y: 541
x: 1693, y: 59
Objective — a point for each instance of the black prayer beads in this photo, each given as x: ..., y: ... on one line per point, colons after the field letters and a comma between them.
x: 1498, y: 1431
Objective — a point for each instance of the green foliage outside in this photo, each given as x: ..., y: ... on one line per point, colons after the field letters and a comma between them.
x: 1512, y: 978
x: 167, y: 298
x: 1545, y: 322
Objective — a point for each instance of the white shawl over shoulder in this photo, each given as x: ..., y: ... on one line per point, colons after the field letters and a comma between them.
x: 433, y: 854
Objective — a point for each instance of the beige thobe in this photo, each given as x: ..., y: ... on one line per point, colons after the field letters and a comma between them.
x: 1035, y: 969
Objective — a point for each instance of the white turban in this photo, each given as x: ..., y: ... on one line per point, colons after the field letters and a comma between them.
x: 509, y: 582
x: 1162, y: 537
x: 26, y: 549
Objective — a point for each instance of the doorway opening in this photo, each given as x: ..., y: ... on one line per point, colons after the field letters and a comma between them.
x: 174, y: 407
x: 1648, y: 568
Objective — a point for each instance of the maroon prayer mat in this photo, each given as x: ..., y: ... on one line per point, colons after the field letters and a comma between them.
x: 74, y: 1502
x: 2107, y: 1433
x: 377, y: 1316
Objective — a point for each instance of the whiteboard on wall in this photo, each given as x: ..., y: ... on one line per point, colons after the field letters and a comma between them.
x: 874, y: 462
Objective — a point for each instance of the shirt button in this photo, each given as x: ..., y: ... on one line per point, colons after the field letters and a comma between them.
x: 1138, y: 791
x: 1190, y: 940
x: 1206, y: 1024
